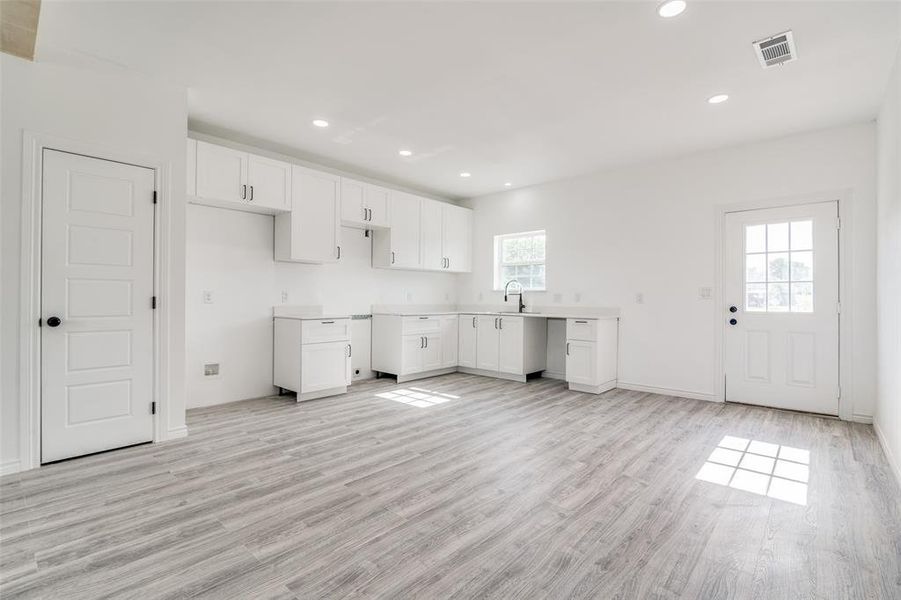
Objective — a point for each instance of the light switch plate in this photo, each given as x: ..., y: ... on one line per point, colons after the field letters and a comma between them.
x: 207, y: 297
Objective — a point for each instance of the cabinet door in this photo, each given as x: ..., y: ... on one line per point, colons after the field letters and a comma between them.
x: 456, y: 237
x: 323, y: 366
x: 352, y: 206
x: 468, y: 342
x: 411, y: 354
x: 405, y: 222
x: 581, y: 362
x: 488, y: 339
x: 432, y: 353
x: 269, y: 182
x: 191, y: 168
x: 449, y: 336
x: 432, y: 257
x: 348, y: 365
x: 221, y: 173
x: 377, y: 201
x: 511, y: 345
x: 314, y: 218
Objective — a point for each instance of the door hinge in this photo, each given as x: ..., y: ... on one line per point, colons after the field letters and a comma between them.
x: 41, y: 322
x: 153, y: 408
x: 839, y: 392
x: 838, y: 308
x: 154, y: 197
x: 153, y: 302
x: 838, y: 222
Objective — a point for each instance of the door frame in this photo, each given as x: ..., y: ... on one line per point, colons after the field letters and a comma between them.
x: 33, y: 146
x: 845, y: 297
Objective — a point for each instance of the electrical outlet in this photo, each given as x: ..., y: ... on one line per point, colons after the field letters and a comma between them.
x: 481, y: 296
x: 284, y: 296
x: 211, y: 369
x: 207, y: 296
x: 639, y: 298
x: 558, y: 298
x: 577, y: 297
x: 705, y: 293
x: 409, y: 296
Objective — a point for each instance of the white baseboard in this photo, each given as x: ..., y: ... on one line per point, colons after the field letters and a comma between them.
x: 865, y: 419
x: 10, y: 467
x: 636, y: 387
x: 177, y: 432
x: 893, y: 460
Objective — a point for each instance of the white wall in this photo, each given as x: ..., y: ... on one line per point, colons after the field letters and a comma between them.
x: 651, y: 229
x: 116, y: 110
x: 230, y: 254
x: 888, y: 403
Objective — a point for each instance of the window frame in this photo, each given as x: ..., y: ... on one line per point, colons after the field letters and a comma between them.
x: 498, y: 258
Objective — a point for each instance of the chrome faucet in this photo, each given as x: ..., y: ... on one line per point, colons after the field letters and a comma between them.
x: 519, y: 293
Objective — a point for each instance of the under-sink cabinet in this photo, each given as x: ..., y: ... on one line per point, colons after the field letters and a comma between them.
x: 505, y: 346
x: 312, y: 356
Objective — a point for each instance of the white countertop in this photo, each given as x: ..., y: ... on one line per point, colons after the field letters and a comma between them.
x: 608, y: 313
x: 304, y: 313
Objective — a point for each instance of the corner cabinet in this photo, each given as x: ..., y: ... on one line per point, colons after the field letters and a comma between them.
x: 310, y: 233
x: 229, y: 178
x: 312, y: 357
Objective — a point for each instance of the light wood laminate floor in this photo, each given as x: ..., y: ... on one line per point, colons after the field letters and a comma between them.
x: 475, y: 488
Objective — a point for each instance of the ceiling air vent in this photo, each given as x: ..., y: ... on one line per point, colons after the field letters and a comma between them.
x: 776, y: 50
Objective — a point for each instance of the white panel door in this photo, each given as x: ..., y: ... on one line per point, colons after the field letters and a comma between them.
x: 511, y: 345
x: 781, y: 312
x: 96, y: 290
x: 411, y: 354
x: 353, y: 211
x: 488, y: 340
x: 449, y: 336
x: 221, y: 173
x: 376, y: 201
x: 581, y: 362
x: 457, y: 237
x: 467, y: 330
x: 269, y: 182
x: 323, y: 366
x: 432, y: 353
x: 315, y: 229
x: 405, y: 224
x: 432, y: 258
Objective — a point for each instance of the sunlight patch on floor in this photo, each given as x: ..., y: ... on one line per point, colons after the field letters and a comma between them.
x: 418, y: 397
x: 780, y: 472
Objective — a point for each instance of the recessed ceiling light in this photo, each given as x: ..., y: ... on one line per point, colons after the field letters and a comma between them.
x: 405, y: 152
x: 718, y: 98
x: 465, y: 174
x: 671, y: 8
x: 508, y: 184
x: 320, y: 123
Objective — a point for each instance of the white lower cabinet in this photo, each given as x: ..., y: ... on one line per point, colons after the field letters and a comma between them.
x: 449, y: 336
x: 507, y: 346
x: 312, y: 357
x: 591, y: 354
x: 411, y: 347
x: 468, y: 340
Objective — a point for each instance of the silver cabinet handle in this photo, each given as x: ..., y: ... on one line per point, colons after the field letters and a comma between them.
x: 448, y: 263
x: 473, y: 322
x: 567, y: 348
x: 422, y: 342
x: 363, y: 208
x: 350, y: 351
x: 326, y: 322
x: 581, y: 322
x: 339, y: 252
x: 500, y: 323
x: 369, y: 210
x: 392, y: 257
x: 495, y: 322
x: 427, y: 342
x: 244, y: 192
x: 423, y: 317
x: 251, y: 193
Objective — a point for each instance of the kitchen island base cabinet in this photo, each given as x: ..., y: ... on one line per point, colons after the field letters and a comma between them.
x: 312, y: 357
x: 591, y: 354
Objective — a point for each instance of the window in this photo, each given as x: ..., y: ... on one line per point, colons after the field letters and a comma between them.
x: 520, y: 257
x: 779, y: 267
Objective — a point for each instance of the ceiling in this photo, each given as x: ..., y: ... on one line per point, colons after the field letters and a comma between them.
x: 511, y: 92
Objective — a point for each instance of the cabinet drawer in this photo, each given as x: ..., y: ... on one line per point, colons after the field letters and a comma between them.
x: 582, y: 329
x: 423, y: 324
x: 326, y: 330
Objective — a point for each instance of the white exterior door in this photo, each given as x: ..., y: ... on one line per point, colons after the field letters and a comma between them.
x: 467, y: 347
x: 97, y: 318
x: 781, y: 312
x: 487, y: 347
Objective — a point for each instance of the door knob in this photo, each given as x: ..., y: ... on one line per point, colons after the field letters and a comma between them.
x: 54, y: 322
x: 733, y: 309
x: 733, y: 321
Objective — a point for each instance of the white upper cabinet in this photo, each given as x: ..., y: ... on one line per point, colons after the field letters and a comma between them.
x: 431, y: 228
x: 310, y: 232
x: 363, y: 205
x: 456, y: 238
x: 398, y: 247
x: 268, y: 183
x: 221, y: 173
x: 231, y: 178
x: 191, y: 153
